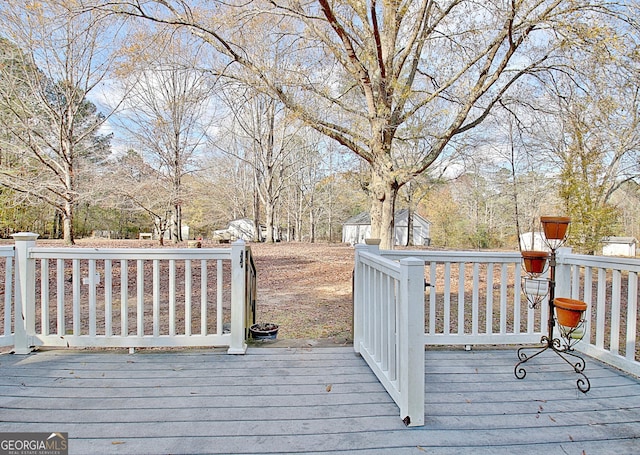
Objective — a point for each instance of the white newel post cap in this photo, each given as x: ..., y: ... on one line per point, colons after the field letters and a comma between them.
x: 25, y: 236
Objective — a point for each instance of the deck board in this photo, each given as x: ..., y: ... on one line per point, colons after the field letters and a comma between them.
x: 320, y: 400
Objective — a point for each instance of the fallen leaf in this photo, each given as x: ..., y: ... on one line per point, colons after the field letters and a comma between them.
x: 420, y: 448
x: 329, y: 388
x: 117, y: 442
x: 552, y: 419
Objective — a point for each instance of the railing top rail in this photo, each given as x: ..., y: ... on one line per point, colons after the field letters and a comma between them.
x: 130, y: 253
x: 605, y: 262
x: 455, y: 256
x: 385, y: 265
x: 7, y: 251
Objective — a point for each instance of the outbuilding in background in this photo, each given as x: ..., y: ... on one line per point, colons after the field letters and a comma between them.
x: 358, y: 227
x: 533, y: 241
x: 619, y: 246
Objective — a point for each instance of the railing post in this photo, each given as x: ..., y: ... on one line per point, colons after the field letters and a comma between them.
x: 563, y: 273
x: 358, y: 310
x: 411, y: 341
x: 25, y: 293
x: 238, y: 292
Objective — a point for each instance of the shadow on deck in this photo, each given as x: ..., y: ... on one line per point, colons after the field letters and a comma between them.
x: 313, y: 400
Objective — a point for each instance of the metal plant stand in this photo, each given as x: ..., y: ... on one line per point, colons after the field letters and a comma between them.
x: 563, y: 345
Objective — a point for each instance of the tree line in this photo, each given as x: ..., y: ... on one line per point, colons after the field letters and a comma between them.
x: 297, y: 115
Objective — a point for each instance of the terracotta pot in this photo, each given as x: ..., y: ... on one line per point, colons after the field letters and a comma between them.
x: 569, y: 311
x: 555, y: 227
x: 534, y: 261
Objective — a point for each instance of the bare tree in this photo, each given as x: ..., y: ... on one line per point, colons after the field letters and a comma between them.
x: 368, y: 73
x: 587, y: 126
x: 130, y: 184
x: 54, y: 130
x: 167, y: 114
x: 265, y: 138
x: 222, y: 191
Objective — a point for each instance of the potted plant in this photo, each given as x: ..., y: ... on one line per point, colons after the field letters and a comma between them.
x: 534, y: 261
x: 569, y: 311
x: 264, y: 331
x: 555, y: 227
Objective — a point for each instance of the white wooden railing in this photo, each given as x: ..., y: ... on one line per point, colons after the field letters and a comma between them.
x: 95, y: 297
x: 479, y: 299
x: 476, y: 298
x: 388, y: 315
x: 609, y: 285
x: 134, y: 297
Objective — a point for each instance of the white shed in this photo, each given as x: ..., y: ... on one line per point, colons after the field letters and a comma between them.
x: 358, y: 227
x: 619, y: 246
x: 533, y: 241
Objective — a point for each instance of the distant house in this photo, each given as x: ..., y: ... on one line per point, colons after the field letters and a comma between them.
x: 619, y: 246
x: 358, y: 227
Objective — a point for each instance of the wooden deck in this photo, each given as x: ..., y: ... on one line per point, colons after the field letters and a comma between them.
x: 320, y: 400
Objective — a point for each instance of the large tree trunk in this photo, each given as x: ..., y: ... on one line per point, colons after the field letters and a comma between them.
x: 176, y: 226
x: 383, y: 201
x: 269, y: 216
x: 67, y: 223
x: 57, y: 225
x: 312, y: 226
x: 67, y: 212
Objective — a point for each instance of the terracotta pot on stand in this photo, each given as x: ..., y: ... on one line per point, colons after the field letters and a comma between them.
x: 569, y: 311
x: 555, y: 227
x: 535, y: 261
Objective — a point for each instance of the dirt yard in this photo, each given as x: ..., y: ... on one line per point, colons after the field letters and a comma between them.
x: 306, y: 289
